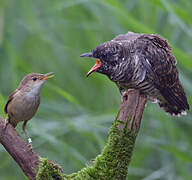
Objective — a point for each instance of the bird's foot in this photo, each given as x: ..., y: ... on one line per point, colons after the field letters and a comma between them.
x: 29, y: 140
x: 126, y: 94
x: 30, y: 143
x: 5, y: 122
x: 30, y: 146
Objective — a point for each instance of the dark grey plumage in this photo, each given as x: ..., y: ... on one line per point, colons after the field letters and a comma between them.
x: 144, y: 62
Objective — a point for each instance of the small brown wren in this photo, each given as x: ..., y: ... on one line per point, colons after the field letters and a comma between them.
x: 23, y: 103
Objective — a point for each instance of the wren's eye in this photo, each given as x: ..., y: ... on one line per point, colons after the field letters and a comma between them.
x: 34, y: 78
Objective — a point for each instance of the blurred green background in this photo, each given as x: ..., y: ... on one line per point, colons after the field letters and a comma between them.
x: 72, y: 123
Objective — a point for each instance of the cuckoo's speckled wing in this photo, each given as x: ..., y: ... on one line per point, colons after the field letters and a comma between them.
x: 158, y: 55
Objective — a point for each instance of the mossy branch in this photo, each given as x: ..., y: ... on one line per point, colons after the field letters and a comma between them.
x: 113, y: 161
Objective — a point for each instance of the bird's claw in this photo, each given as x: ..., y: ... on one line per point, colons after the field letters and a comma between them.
x: 126, y: 94
x: 5, y: 122
x: 30, y: 145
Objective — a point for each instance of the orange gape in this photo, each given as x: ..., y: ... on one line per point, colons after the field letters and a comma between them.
x: 95, y: 67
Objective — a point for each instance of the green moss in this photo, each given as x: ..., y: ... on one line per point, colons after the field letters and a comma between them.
x: 111, y: 164
x: 48, y: 171
x: 113, y: 161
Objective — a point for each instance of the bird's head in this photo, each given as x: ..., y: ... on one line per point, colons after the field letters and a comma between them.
x: 34, y: 81
x: 108, y: 55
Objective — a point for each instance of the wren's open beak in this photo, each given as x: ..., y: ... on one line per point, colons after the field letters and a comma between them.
x: 47, y: 76
x: 97, y: 64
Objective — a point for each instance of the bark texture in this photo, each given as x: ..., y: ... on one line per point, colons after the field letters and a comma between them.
x: 25, y: 157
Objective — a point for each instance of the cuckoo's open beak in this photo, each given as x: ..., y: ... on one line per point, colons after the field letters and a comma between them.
x: 95, y: 67
x: 97, y: 64
x: 47, y: 76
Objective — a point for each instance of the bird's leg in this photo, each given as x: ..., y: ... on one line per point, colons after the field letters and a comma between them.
x: 26, y: 134
x: 5, y: 122
x: 126, y: 93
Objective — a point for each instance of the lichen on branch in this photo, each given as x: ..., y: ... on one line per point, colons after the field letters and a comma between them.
x: 113, y: 162
x: 48, y: 170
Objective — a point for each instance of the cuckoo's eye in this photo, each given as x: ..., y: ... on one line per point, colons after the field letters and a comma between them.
x: 34, y: 78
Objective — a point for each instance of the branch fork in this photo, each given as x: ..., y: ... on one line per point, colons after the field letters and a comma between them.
x: 113, y: 161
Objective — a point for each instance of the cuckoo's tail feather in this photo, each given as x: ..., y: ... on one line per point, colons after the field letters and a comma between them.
x: 175, y: 102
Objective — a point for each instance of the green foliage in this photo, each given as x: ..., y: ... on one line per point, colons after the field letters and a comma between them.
x: 75, y: 114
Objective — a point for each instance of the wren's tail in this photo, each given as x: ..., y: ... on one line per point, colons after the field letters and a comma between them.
x: 175, y: 102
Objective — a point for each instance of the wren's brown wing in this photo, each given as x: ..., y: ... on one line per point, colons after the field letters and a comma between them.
x: 11, y: 96
x: 160, y: 63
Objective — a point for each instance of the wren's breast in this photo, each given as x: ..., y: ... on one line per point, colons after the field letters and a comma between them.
x: 24, y: 107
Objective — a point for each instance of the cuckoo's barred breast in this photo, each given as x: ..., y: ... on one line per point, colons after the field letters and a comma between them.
x: 144, y: 62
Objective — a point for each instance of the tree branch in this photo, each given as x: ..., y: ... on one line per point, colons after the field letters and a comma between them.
x: 113, y: 161
x: 25, y: 157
